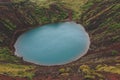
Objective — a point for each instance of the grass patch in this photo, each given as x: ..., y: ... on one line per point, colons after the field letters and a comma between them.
x: 11, y: 66
x: 6, y: 56
x: 17, y: 70
x: 106, y: 68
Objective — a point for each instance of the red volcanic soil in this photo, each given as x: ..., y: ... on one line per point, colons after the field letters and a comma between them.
x: 109, y: 48
x: 4, y: 77
x: 111, y: 76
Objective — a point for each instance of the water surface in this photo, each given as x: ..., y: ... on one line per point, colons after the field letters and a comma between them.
x: 53, y: 44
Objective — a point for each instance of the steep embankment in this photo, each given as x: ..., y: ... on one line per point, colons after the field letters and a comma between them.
x: 100, y: 18
x: 19, y: 16
x: 102, y: 22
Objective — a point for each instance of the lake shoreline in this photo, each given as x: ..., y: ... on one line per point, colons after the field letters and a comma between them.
x: 74, y: 59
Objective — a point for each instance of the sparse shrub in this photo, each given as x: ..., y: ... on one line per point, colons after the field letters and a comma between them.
x: 65, y: 74
x: 62, y: 70
x: 89, y: 77
x: 68, y: 69
x: 100, y: 65
x: 98, y: 75
x: 114, y: 52
x: 85, y: 69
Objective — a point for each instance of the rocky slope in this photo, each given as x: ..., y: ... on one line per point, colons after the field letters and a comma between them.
x: 101, y: 19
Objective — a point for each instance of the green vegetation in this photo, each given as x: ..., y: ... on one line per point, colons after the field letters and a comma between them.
x: 12, y: 65
x: 17, y: 70
x: 49, y: 16
x: 8, y: 24
x: 89, y: 77
x: 114, y: 52
x: 65, y: 71
x: 1, y: 39
x: 6, y: 56
x: 62, y: 70
x: 90, y: 73
x: 107, y: 68
x: 4, y: 51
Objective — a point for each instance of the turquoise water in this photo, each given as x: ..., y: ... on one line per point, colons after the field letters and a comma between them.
x: 53, y: 44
